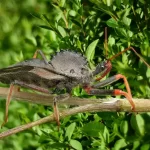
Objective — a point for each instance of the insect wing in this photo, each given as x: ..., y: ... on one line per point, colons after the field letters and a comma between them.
x: 34, y: 63
x: 46, y: 74
x: 8, y: 75
x: 30, y: 75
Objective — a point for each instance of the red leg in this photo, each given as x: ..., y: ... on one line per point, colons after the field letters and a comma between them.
x: 93, y: 91
x: 112, y: 79
x: 127, y: 95
x: 120, y: 76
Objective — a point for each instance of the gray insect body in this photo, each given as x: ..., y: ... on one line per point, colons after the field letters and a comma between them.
x: 72, y: 65
x: 66, y: 70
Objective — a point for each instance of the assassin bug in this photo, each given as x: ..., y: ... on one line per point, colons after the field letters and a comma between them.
x: 65, y: 70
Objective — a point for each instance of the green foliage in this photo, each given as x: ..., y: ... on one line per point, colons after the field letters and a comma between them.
x: 79, y: 26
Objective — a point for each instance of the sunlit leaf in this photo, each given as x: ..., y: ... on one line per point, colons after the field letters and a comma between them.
x: 91, y: 50
x: 76, y: 144
x: 120, y: 144
x: 138, y: 124
x: 69, y: 130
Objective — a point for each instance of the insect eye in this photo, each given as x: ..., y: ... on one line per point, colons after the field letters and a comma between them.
x: 72, y: 71
x: 102, y: 67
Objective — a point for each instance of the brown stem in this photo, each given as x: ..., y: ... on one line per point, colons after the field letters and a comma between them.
x: 65, y: 18
x: 89, y: 105
x: 117, y: 105
x: 44, y: 99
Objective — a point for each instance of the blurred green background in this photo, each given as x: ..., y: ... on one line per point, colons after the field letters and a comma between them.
x: 78, y: 25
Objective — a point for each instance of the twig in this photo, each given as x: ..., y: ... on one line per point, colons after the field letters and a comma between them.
x: 142, y: 105
x: 44, y: 99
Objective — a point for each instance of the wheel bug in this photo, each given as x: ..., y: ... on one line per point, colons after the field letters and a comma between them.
x: 66, y: 69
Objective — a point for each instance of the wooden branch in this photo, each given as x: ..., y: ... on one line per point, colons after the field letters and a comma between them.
x: 44, y: 99
x: 89, y: 105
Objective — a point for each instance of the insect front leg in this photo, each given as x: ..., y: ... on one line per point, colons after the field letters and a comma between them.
x: 114, y: 92
x: 94, y: 91
x: 113, y: 79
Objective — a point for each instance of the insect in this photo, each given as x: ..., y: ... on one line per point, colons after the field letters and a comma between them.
x: 65, y: 70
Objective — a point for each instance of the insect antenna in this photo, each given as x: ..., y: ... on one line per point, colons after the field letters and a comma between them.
x: 130, y: 48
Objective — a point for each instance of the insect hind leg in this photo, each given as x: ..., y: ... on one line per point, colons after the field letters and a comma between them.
x: 42, y: 55
x: 15, y: 86
x: 12, y: 89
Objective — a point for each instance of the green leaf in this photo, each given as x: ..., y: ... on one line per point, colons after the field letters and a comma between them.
x: 93, y: 128
x: 120, y: 144
x: 72, y: 13
x: 58, y: 145
x: 148, y: 73
x: 124, y: 17
x: 46, y: 27
x: 106, y: 134
x: 52, y: 36
x: 136, y: 144
x: 30, y: 41
x: 104, y: 8
x: 138, y: 124
x: 62, y: 3
x: 50, y: 28
x: 112, y: 23
x: 62, y: 31
x: 122, y: 32
x: 124, y: 127
x: 77, y: 23
x: 36, y: 15
x: 69, y: 130
x: 118, y: 3
x: 45, y: 18
x: 90, y: 51
x: 145, y: 147
x: 76, y: 144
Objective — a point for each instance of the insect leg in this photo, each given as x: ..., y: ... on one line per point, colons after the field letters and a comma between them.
x: 45, y: 90
x: 92, y: 91
x: 12, y: 89
x: 42, y: 55
x: 115, y: 78
x: 31, y: 86
x: 57, y: 98
x: 10, y: 92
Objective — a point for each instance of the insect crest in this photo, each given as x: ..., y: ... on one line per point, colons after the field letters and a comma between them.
x: 71, y: 64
